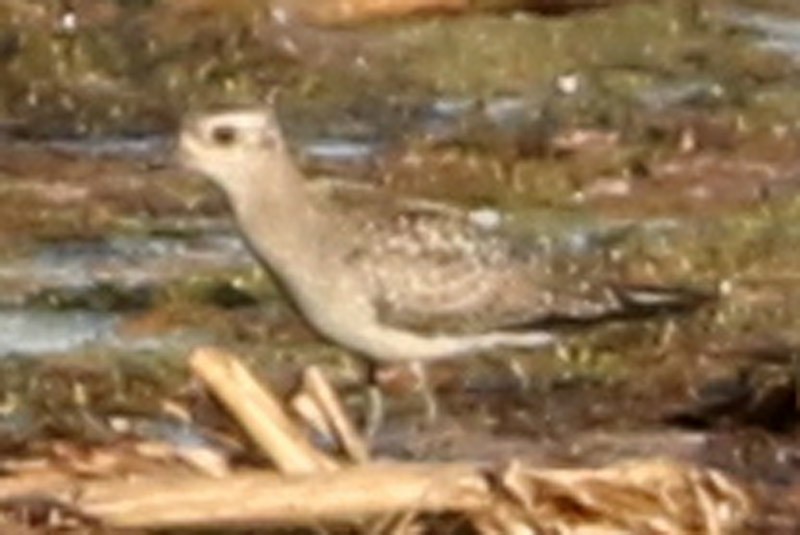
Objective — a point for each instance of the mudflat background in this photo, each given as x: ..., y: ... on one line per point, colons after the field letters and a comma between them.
x: 655, y: 142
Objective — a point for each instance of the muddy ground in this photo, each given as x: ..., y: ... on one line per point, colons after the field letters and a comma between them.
x: 656, y: 141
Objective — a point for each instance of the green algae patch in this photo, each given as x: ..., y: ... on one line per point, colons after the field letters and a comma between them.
x: 129, y: 67
x: 483, y: 54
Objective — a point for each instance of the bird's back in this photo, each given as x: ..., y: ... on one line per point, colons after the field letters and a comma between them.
x: 431, y: 267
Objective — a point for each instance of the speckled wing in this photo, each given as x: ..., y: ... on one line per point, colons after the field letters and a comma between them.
x: 434, y: 269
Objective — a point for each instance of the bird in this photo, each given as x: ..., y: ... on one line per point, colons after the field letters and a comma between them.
x: 391, y: 278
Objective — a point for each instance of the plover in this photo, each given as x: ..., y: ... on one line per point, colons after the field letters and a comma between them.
x: 388, y: 278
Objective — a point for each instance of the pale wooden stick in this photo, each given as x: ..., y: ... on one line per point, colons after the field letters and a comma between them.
x: 258, y: 498
x: 642, y: 497
x: 308, y: 410
x: 315, y: 383
x: 259, y: 411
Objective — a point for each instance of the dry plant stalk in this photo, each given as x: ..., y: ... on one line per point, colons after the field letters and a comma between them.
x: 650, y: 497
x: 644, y: 497
x: 330, y: 407
x: 253, y: 498
x: 260, y: 413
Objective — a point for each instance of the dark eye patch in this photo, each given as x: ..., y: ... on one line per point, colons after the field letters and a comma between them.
x: 224, y: 135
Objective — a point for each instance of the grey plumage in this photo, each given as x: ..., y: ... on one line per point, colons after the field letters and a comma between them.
x: 391, y: 278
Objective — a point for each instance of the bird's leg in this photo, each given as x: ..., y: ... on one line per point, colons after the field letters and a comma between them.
x: 423, y: 386
x: 375, y: 406
x: 375, y: 412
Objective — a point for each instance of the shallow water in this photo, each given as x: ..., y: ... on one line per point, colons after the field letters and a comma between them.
x: 774, y: 32
x: 137, y: 148
x: 122, y: 262
x: 29, y: 332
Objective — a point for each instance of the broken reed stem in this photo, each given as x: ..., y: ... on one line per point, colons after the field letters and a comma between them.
x: 642, y: 497
x: 634, y: 497
x: 259, y: 411
x: 264, y: 498
x: 323, y: 394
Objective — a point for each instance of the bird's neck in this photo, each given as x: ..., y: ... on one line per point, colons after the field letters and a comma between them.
x: 280, y: 218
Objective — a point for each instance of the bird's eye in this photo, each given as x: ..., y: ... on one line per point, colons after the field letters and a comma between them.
x: 224, y: 135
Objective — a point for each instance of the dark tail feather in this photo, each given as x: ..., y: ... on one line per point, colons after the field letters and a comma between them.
x: 649, y: 300
x: 636, y: 303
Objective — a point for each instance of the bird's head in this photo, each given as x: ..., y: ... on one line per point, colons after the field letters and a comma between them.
x: 231, y: 147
